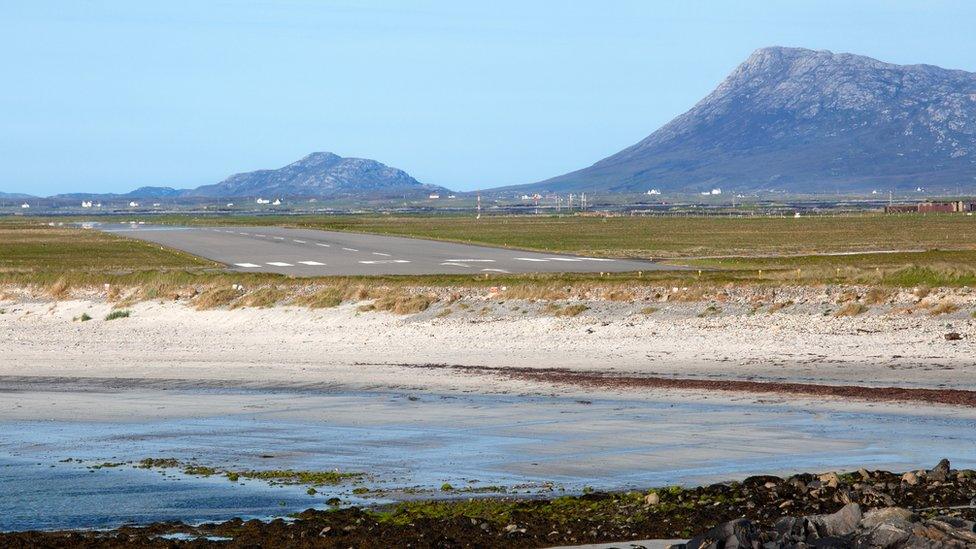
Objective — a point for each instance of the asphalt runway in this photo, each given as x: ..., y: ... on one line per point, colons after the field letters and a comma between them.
x: 309, y: 252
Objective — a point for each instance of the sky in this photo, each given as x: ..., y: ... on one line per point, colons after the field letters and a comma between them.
x: 107, y: 96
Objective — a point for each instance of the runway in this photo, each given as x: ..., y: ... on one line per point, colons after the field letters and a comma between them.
x: 309, y: 252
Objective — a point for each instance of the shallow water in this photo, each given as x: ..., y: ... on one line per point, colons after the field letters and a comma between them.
x: 420, y: 441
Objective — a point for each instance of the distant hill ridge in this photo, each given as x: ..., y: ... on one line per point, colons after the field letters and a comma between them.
x: 805, y: 121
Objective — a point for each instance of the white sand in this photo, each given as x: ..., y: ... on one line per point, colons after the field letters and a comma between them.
x: 344, y: 347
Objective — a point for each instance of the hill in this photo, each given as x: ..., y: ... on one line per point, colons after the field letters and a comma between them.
x: 805, y: 121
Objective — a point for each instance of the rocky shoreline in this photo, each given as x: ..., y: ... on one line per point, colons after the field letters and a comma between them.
x: 924, y: 508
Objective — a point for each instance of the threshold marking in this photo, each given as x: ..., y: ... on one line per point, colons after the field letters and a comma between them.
x: 323, y: 245
x: 244, y: 234
x: 383, y: 261
x: 563, y: 259
x: 596, y: 259
x: 311, y: 263
x: 531, y: 259
x: 350, y: 249
x: 247, y: 265
x: 260, y: 235
x: 381, y: 253
x: 453, y: 264
x: 494, y: 271
x: 473, y: 260
x: 280, y: 264
x: 278, y: 237
x: 298, y: 241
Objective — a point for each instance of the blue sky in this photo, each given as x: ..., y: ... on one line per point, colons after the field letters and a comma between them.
x: 110, y: 95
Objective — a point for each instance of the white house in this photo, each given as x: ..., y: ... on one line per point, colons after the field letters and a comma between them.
x: 653, y: 192
x: 716, y: 191
x: 25, y: 205
x: 86, y: 204
x: 277, y: 202
x: 133, y: 204
x: 263, y: 201
x: 434, y: 196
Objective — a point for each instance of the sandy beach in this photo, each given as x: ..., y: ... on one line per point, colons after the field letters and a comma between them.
x: 342, y: 346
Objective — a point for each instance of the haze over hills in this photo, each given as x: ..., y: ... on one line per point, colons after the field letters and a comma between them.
x: 319, y: 175
x: 805, y: 121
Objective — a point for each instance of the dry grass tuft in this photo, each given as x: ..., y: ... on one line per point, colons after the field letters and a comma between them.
x: 711, y: 310
x: 323, y: 298
x: 215, y: 297
x: 921, y: 292
x: 262, y: 297
x: 847, y: 296
x: 780, y: 305
x: 401, y: 304
x: 535, y: 293
x: 59, y: 290
x: 943, y: 308
x: 851, y: 309
x: 877, y: 296
x: 649, y: 310
x: 688, y: 294
x: 618, y: 295
x: 569, y: 310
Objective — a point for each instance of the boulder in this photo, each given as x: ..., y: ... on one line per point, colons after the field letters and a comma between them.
x: 940, y: 472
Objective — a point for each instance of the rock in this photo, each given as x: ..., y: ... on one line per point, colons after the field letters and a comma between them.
x: 652, y: 499
x: 953, y: 336
x: 864, y: 474
x: 740, y: 533
x: 838, y: 524
x: 876, y: 517
x: 910, y: 478
x: 940, y: 472
x: 830, y: 479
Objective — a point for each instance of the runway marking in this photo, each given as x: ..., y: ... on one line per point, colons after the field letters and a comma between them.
x: 453, y: 264
x: 247, y: 265
x: 280, y: 264
x: 245, y: 234
x: 350, y: 249
x: 494, y: 271
x: 323, y: 245
x: 473, y: 260
x: 563, y: 259
x: 312, y: 263
x: 596, y: 259
x: 278, y: 237
x: 381, y: 253
x: 260, y: 235
x: 298, y: 241
x: 383, y: 261
x: 530, y: 259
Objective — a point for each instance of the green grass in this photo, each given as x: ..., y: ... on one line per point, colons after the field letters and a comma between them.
x: 121, y: 313
x: 35, y: 247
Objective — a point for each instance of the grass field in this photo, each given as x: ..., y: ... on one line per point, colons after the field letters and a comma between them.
x: 34, y: 253
x: 655, y: 237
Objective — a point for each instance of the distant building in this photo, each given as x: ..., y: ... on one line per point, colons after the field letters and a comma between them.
x: 955, y: 206
x: 263, y: 201
x: 434, y: 196
x: 133, y: 204
x: 25, y: 205
x: 716, y: 191
x: 653, y: 192
x: 277, y: 202
x: 86, y: 204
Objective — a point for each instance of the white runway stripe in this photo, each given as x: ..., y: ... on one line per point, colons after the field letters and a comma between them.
x: 473, y: 260
x: 312, y: 263
x: 494, y: 271
x: 563, y: 259
x: 596, y: 259
x: 453, y: 264
x: 298, y: 241
x: 260, y: 235
x: 383, y: 261
x: 350, y: 249
x: 247, y: 265
x: 280, y: 264
x: 245, y: 234
x: 381, y: 253
x: 278, y: 237
x: 530, y: 259
x: 323, y: 245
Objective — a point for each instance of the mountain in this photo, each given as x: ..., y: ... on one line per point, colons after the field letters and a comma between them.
x: 141, y: 192
x: 320, y: 174
x: 14, y: 196
x: 805, y: 121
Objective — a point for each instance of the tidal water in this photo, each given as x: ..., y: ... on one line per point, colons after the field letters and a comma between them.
x: 410, y: 445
